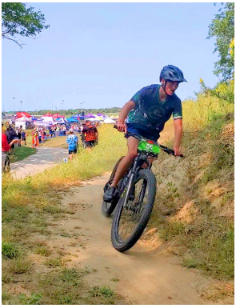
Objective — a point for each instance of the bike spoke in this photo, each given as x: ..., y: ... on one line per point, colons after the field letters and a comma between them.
x: 132, y: 211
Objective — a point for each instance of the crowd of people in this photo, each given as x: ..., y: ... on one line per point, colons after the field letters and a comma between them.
x: 88, y: 132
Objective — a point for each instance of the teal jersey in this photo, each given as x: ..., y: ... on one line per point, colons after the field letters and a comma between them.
x: 151, y: 113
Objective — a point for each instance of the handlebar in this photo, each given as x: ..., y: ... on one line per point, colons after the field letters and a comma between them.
x: 169, y: 151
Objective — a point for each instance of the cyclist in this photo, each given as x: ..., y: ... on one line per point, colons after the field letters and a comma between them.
x: 148, y: 111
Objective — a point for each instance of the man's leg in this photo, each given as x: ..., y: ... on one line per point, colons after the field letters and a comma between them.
x: 123, y: 167
x: 127, y: 160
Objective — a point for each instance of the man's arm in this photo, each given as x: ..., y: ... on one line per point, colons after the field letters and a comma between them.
x: 178, y: 126
x: 123, y: 114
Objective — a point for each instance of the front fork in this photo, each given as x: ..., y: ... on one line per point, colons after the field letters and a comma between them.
x: 131, y: 178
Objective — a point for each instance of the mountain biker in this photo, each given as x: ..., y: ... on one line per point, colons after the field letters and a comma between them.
x: 90, y: 135
x: 148, y: 111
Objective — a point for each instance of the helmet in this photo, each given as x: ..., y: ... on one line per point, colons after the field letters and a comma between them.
x: 172, y: 73
x: 71, y: 130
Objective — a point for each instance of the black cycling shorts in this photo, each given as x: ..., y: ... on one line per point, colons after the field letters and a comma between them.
x: 72, y: 151
x: 90, y: 143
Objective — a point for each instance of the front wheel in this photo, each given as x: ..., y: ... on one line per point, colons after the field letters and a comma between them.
x: 131, y: 218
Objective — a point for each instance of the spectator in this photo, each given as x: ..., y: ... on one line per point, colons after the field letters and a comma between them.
x: 6, y: 146
x: 90, y: 135
x: 11, y: 135
x: 72, y: 141
x: 23, y: 137
x: 64, y: 129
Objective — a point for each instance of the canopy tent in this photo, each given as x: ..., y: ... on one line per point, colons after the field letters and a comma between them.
x: 89, y: 115
x: 22, y: 114
x: 60, y: 120
x: 57, y: 115
x: 93, y: 119
x: 43, y: 124
x: 48, y: 115
x: 100, y: 114
x: 72, y: 120
x: 23, y: 119
x: 47, y: 119
x: 109, y: 121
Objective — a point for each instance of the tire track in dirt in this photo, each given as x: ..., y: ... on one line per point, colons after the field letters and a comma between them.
x: 147, y: 274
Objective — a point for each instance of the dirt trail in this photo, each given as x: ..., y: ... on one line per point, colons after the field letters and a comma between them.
x: 147, y: 274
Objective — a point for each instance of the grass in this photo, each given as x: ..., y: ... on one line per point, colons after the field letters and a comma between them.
x: 10, y: 250
x: 59, y: 141
x: 22, y: 152
x: 206, y: 239
x: 27, y: 204
x: 188, y: 211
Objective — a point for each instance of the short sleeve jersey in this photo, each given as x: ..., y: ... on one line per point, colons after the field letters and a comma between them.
x: 151, y: 113
x: 72, y: 140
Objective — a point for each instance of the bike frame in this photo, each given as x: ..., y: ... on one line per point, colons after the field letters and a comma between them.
x: 137, y: 164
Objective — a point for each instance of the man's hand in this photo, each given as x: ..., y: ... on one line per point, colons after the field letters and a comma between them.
x: 121, y: 126
x: 177, y: 151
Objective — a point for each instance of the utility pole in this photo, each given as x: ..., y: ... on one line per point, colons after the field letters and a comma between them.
x: 13, y: 103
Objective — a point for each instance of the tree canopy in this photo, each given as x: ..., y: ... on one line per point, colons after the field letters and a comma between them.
x: 17, y: 20
x: 222, y: 27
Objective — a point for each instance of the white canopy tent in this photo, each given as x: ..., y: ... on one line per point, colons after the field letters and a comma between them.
x: 109, y: 121
x: 47, y: 119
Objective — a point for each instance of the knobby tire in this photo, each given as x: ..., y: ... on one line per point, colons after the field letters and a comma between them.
x: 118, y: 244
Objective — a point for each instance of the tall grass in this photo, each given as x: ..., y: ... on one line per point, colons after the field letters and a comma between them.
x: 188, y: 211
x: 198, y: 114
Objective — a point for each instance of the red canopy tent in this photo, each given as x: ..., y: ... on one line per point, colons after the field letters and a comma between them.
x: 22, y: 114
x: 48, y: 115
x: 57, y: 115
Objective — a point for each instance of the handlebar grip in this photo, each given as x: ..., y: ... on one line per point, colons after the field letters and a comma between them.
x: 115, y: 127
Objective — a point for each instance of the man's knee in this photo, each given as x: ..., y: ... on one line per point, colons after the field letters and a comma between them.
x: 132, y: 155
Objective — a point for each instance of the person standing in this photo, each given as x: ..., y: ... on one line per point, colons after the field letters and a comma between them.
x: 72, y: 141
x: 23, y: 137
x: 90, y: 135
x: 6, y: 147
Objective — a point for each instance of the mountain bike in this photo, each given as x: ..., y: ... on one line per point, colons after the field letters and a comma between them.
x: 135, y: 196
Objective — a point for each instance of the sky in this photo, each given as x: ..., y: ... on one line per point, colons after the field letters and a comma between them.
x: 98, y: 55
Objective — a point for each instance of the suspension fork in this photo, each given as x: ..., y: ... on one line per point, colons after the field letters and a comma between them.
x: 132, y: 173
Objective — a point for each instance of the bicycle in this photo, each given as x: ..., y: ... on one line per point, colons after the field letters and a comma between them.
x: 134, y: 198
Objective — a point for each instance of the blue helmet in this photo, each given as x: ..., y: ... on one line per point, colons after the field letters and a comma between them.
x: 172, y: 73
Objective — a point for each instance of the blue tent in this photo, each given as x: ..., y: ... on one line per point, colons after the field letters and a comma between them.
x: 74, y: 120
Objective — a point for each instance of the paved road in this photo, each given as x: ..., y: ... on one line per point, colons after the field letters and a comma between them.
x: 44, y: 158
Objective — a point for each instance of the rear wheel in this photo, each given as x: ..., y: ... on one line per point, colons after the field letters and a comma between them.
x: 108, y: 208
x: 130, y: 219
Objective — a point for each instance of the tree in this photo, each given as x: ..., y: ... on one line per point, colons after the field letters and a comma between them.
x: 222, y: 27
x: 19, y: 20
